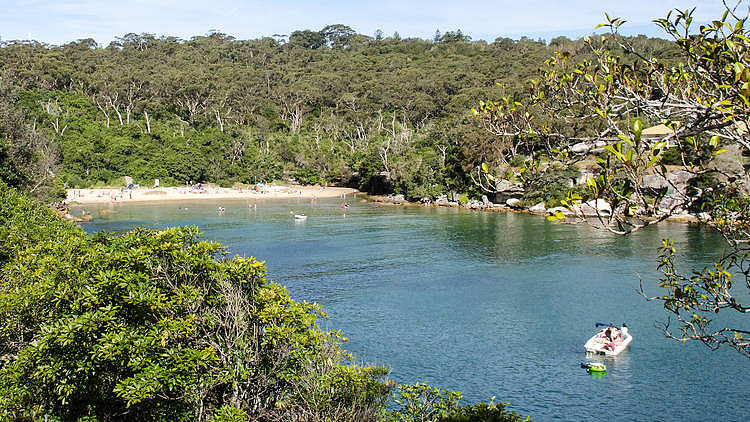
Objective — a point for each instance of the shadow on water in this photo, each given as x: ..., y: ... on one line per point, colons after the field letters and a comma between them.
x: 487, y: 304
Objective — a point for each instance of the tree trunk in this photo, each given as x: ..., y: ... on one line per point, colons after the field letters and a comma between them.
x: 218, y: 118
x: 148, y: 122
x: 119, y: 116
x: 104, y: 111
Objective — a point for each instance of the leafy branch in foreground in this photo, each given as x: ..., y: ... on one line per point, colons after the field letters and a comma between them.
x: 691, y: 161
x: 691, y: 300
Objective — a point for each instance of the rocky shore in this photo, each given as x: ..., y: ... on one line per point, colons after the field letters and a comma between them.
x: 585, y: 210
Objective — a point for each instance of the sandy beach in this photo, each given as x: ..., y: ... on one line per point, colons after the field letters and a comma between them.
x: 106, y: 195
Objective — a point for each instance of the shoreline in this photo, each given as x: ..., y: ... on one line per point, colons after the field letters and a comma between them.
x: 184, y: 193
x: 689, y: 219
x: 93, y: 196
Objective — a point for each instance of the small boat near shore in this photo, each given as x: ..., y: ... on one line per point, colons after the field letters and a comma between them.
x: 300, y: 217
x: 610, y: 340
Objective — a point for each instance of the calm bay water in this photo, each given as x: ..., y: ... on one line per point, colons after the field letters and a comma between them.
x: 483, y: 303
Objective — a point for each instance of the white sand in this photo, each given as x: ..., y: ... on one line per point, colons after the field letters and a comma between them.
x: 104, y: 195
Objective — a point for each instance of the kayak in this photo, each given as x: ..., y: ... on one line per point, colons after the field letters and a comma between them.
x: 609, y: 341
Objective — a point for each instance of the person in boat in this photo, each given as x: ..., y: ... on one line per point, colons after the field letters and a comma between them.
x: 611, y: 335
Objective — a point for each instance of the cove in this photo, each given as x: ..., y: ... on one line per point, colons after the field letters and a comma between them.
x: 489, y: 304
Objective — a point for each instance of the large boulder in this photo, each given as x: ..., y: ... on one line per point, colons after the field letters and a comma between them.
x: 513, y: 202
x: 674, y: 181
x: 539, y: 208
x: 595, y: 207
x: 729, y: 162
x: 505, y: 189
x: 580, y: 148
x: 680, y: 178
x: 396, y: 199
x: 672, y: 203
x: 654, y: 182
x: 442, y: 200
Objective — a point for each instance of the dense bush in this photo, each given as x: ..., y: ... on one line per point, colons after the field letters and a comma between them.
x: 550, y: 184
x: 159, y: 325
x: 423, y: 402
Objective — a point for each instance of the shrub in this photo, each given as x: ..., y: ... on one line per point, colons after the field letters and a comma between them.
x: 158, y: 325
x: 423, y: 402
x: 550, y: 185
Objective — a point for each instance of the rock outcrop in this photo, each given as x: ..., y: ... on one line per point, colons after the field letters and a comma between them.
x: 507, y: 190
x: 539, y: 208
x: 513, y: 202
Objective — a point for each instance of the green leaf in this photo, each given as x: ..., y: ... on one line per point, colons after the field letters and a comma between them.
x: 557, y: 216
x: 637, y: 129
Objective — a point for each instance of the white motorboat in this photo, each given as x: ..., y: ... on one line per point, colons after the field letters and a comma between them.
x: 300, y: 217
x: 610, y: 340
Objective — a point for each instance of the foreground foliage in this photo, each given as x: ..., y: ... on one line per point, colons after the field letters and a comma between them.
x: 160, y: 325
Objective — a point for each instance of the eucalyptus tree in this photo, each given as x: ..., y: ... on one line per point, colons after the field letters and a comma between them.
x: 306, y: 39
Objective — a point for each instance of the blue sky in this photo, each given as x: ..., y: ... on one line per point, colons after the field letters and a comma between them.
x: 61, y: 21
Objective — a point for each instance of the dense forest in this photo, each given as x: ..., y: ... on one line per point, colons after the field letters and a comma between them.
x: 382, y: 114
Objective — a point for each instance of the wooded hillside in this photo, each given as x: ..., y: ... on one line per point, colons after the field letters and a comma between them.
x: 383, y: 114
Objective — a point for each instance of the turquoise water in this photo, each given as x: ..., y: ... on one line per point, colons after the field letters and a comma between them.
x: 483, y: 303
